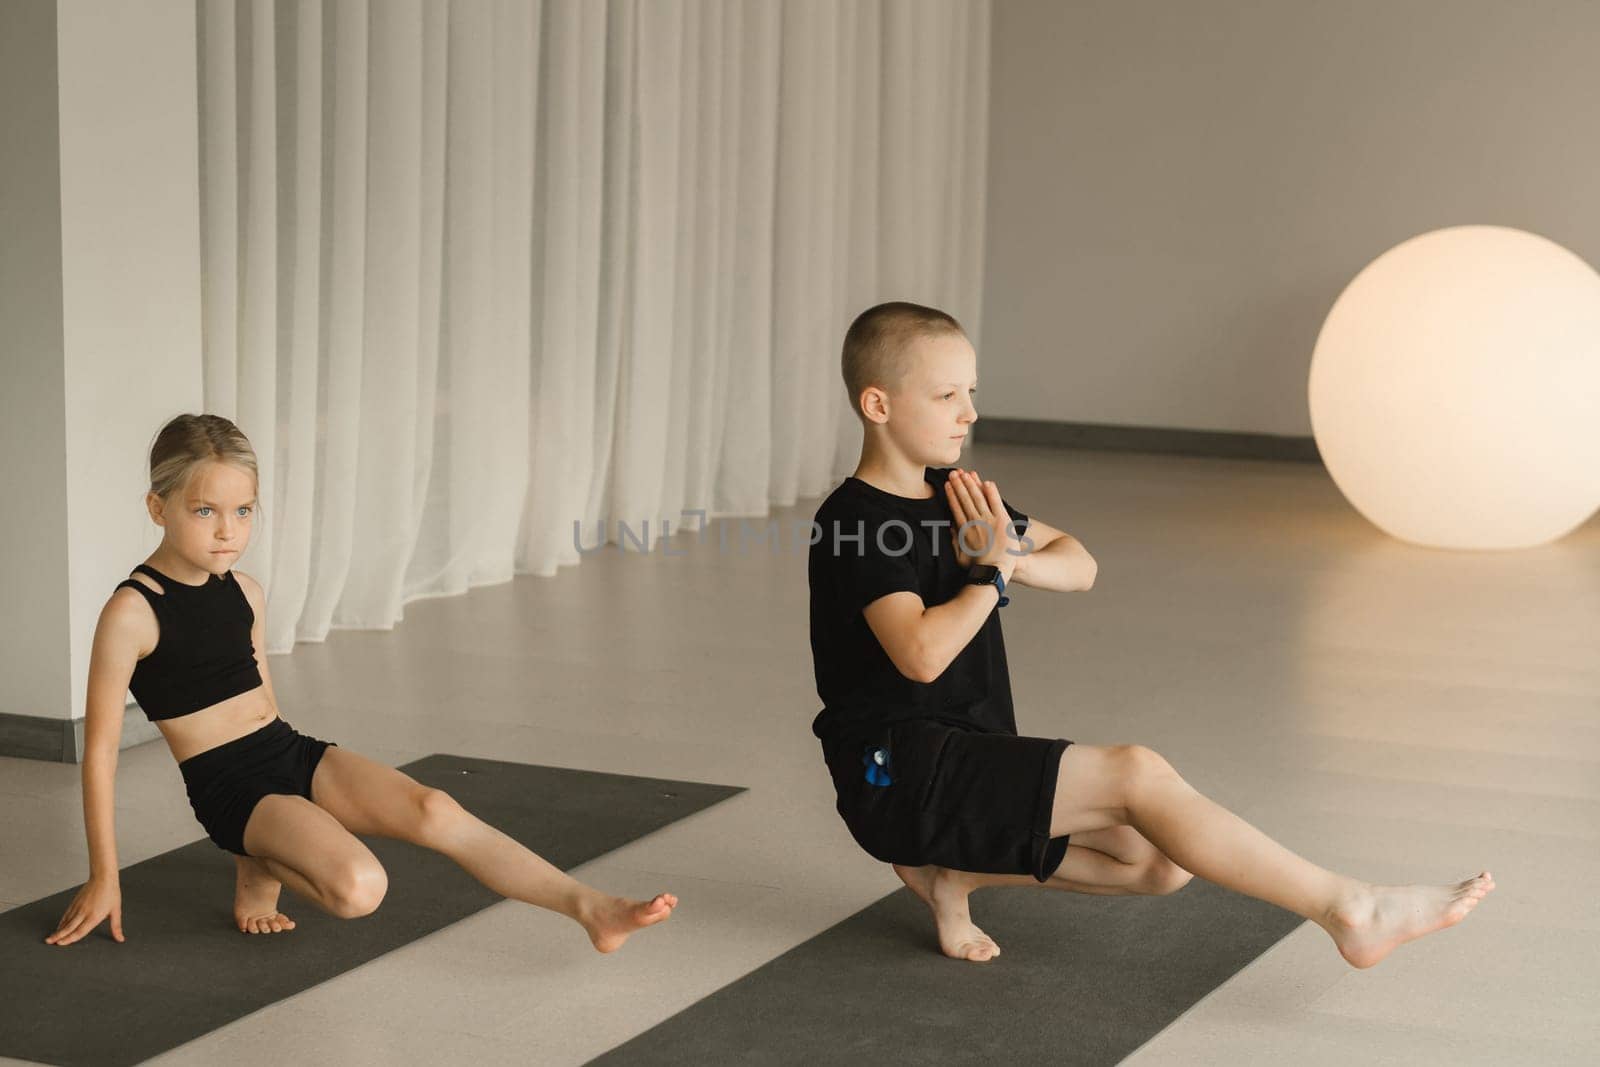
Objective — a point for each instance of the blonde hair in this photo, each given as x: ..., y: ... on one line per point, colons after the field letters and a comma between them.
x: 190, y: 440
x: 876, y: 344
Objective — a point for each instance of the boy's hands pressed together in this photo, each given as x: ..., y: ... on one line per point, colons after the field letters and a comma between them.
x: 978, y: 502
x: 1047, y: 558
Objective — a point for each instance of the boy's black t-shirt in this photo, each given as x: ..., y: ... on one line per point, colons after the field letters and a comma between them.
x: 904, y: 544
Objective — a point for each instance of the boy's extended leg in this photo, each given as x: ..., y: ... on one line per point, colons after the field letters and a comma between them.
x: 1101, y: 786
x: 370, y: 798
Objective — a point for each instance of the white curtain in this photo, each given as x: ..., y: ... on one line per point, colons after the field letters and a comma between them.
x: 475, y: 270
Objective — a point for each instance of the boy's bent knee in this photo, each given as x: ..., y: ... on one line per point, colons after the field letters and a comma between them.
x: 1140, y: 763
x: 1141, y: 758
x: 1141, y: 769
x: 1160, y: 877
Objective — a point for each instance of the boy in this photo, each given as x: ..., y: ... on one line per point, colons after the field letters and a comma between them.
x: 918, y: 732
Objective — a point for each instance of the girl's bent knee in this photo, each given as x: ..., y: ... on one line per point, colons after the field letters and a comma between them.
x: 358, y: 891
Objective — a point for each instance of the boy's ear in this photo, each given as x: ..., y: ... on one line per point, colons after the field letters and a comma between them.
x: 875, y: 404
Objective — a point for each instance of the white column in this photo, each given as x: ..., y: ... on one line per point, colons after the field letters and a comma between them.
x: 99, y: 321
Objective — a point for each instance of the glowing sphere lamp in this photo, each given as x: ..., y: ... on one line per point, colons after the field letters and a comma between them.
x: 1455, y: 390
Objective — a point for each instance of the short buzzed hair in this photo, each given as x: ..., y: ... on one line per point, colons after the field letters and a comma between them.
x: 875, y: 346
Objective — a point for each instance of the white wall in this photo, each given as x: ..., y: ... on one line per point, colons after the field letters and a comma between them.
x: 130, y: 253
x: 1178, y: 192
x: 34, y: 661
x: 102, y: 323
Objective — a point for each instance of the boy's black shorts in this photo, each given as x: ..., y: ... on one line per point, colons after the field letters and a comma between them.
x: 956, y: 798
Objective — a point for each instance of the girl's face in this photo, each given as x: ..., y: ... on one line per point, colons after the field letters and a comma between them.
x: 207, y: 522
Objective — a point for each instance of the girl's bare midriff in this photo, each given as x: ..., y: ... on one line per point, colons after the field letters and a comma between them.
x: 226, y: 720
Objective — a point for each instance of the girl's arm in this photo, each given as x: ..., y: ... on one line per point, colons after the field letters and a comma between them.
x: 257, y: 598
x: 126, y: 630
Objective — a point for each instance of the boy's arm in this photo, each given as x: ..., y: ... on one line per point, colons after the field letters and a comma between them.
x: 922, y: 641
x: 1056, y: 561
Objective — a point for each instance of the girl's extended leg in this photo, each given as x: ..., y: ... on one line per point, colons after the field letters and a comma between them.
x: 370, y: 798
x: 1102, y: 786
x: 1116, y: 861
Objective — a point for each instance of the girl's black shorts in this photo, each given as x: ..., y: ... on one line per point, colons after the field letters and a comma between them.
x: 954, y: 797
x: 225, y: 783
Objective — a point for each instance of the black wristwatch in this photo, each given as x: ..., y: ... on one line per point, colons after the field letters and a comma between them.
x: 989, y: 574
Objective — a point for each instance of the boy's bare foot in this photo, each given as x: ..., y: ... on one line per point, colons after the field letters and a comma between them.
x: 1371, y: 921
x: 255, y: 899
x: 611, y: 919
x: 945, y: 892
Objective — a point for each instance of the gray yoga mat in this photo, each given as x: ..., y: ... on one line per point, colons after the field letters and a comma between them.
x: 1080, y: 980
x: 186, y: 970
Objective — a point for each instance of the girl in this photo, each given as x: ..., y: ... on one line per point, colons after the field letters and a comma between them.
x: 186, y: 634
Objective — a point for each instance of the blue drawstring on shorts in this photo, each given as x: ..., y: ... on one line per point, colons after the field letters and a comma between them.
x: 877, y: 761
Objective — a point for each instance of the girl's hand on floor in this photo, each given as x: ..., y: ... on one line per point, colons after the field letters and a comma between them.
x: 98, y: 900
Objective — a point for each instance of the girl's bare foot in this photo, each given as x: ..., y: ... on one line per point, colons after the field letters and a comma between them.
x: 255, y: 899
x: 945, y: 892
x: 1370, y: 921
x: 611, y: 919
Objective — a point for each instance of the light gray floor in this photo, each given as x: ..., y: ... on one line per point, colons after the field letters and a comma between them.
x: 1395, y: 713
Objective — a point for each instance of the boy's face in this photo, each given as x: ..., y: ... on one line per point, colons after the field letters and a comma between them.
x: 932, y: 410
x: 208, y: 521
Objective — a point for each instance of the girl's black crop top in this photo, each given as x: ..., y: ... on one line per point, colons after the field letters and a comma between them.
x: 204, y: 654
